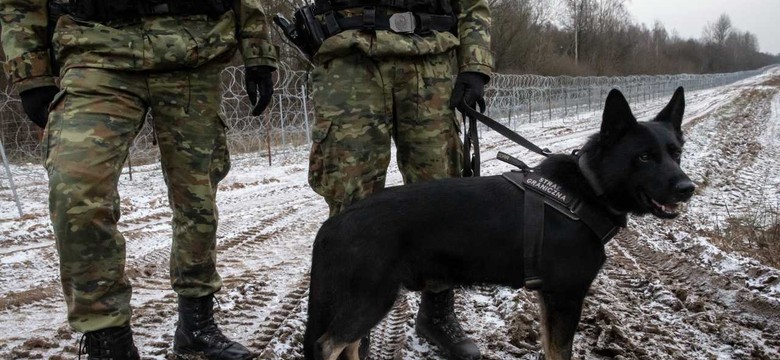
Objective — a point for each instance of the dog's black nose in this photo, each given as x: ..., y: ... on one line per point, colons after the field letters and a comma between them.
x: 685, y: 189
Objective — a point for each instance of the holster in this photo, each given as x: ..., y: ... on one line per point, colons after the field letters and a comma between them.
x: 306, y: 33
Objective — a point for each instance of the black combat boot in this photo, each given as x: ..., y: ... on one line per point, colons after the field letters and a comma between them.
x: 197, y: 335
x: 436, y: 322
x: 115, y: 343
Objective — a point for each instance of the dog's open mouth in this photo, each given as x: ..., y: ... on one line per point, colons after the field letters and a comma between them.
x: 664, y: 211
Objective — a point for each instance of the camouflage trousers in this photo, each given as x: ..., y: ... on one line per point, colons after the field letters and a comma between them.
x: 93, y: 122
x: 363, y: 103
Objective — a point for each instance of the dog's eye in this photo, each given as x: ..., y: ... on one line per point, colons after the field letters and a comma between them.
x: 645, y: 157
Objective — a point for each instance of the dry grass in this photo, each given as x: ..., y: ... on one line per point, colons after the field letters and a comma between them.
x: 775, y: 81
x: 755, y: 234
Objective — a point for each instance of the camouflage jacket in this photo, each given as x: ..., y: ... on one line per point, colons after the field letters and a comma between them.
x: 150, y: 43
x: 472, y: 43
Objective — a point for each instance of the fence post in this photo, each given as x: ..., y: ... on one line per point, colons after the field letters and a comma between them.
x: 529, y: 109
x: 590, y: 99
x: 11, y: 179
x: 281, y: 122
x: 549, y: 105
x: 577, y: 104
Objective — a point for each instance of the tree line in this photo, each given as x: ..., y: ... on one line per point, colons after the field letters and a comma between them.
x: 599, y: 37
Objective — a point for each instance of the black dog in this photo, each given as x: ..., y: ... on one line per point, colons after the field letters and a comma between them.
x: 471, y: 231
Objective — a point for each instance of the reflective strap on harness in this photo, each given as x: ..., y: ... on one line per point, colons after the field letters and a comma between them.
x: 533, y: 236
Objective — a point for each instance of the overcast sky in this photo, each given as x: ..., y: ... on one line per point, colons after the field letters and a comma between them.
x: 688, y: 17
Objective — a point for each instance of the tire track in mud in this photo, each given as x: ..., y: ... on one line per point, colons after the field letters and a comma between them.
x: 679, y: 302
x: 511, y: 316
x: 388, y: 338
x: 280, y: 334
x: 252, y: 294
x: 149, y: 274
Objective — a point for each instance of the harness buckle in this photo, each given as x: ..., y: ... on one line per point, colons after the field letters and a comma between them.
x: 403, y: 23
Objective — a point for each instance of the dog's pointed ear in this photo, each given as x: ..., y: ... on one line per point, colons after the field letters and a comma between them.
x: 617, y: 118
x: 673, y: 112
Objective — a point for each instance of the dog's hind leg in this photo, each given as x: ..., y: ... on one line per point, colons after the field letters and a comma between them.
x: 354, y: 318
x: 560, y: 314
x: 329, y: 349
x: 353, y: 351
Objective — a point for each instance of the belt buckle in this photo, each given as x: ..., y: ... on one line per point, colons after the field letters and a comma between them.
x: 403, y: 23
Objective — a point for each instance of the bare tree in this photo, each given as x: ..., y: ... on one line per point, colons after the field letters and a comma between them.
x: 719, y: 31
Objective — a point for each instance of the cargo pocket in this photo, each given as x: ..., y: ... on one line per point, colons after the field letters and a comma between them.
x: 53, y: 129
x: 220, y: 161
x: 317, y: 157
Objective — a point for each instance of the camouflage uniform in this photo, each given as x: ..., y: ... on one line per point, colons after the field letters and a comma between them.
x: 111, y: 73
x: 371, y: 86
x: 374, y: 87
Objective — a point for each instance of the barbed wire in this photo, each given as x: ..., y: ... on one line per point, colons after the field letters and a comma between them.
x: 512, y: 99
x: 532, y: 98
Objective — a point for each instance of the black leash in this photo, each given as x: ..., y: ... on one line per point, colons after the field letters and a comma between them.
x: 470, y: 138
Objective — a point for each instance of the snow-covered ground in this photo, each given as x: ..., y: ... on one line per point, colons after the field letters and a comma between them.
x: 667, y: 292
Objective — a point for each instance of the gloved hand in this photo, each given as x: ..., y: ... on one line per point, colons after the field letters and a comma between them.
x: 469, y: 88
x: 35, y: 103
x: 258, y: 80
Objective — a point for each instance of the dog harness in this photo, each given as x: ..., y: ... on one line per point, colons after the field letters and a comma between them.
x: 541, y: 192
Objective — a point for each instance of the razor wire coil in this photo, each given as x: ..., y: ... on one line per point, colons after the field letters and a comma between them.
x: 285, y: 125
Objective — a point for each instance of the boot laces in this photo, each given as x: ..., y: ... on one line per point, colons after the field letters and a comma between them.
x: 443, y: 317
x: 102, y: 344
x: 450, y: 326
x: 206, y: 328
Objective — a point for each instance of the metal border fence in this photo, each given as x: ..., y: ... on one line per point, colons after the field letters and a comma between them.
x: 285, y: 126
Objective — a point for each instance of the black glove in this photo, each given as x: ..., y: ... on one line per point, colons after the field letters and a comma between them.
x: 259, y: 81
x: 469, y: 88
x: 35, y: 103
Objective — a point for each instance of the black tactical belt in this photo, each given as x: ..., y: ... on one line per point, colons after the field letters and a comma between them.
x: 105, y: 10
x: 402, y: 23
x: 425, y: 6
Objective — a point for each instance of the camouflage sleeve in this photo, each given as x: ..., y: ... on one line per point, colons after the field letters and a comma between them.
x: 25, y: 43
x: 474, y: 31
x: 253, y: 34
